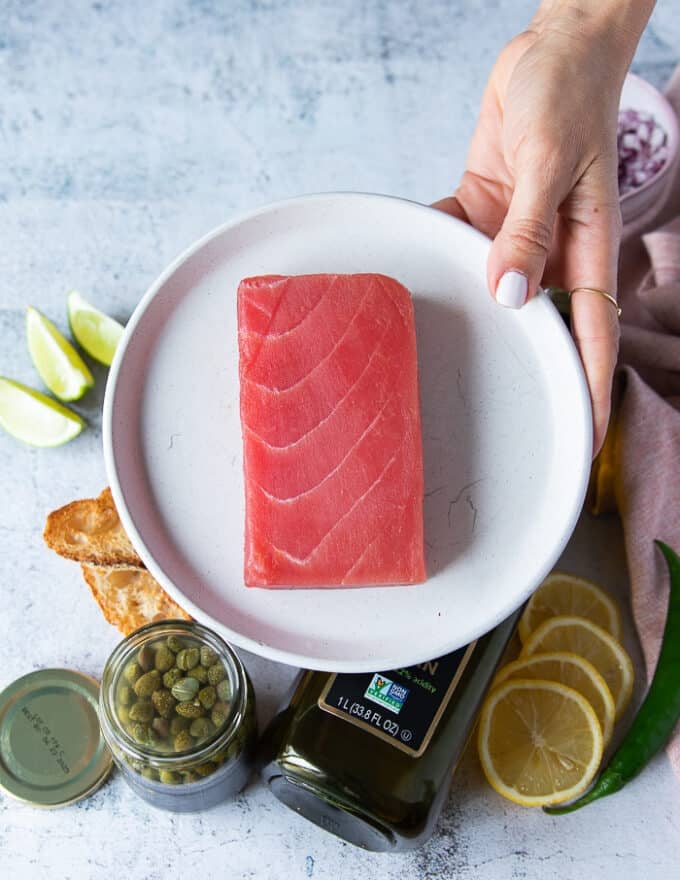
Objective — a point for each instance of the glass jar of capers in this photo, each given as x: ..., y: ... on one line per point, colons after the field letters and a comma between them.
x: 177, y: 710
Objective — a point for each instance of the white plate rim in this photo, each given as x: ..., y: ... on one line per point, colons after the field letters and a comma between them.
x: 257, y: 646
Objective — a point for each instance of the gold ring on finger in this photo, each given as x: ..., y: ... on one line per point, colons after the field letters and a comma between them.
x: 603, y: 293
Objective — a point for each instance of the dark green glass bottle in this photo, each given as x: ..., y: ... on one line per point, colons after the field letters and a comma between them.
x: 369, y: 757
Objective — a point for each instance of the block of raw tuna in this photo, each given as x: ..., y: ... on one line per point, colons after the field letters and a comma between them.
x: 331, y: 431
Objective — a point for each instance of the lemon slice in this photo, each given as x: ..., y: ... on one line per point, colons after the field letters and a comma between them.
x: 539, y: 742
x: 580, y: 636
x: 60, y: 366
x: 98, y: 334
x: 562, y: 593
x: 574, y: 672
x: 35, y: 418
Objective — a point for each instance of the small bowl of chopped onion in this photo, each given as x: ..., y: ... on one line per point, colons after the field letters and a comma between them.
x: 647, y: 141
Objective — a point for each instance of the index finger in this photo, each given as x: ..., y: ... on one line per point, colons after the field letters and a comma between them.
x: 589, y: 254
x: 595, y: 328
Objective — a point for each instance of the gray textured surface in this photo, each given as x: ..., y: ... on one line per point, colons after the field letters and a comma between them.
x: 126, y: 131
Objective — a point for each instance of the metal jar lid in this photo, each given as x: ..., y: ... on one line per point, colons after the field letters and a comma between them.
x: 52, y: 751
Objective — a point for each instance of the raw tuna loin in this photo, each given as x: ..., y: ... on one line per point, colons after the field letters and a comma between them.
x: 331, y: 431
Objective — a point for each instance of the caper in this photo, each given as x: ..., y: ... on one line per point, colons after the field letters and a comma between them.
x: 123, y: 714
x: 174, y: 643
x: 188, y: 658
x: 189, y: 776
x: 208, y: 656
x: 148, y: 683
x: 164, y: 703
x: 150, y: 773
x: 140, y: 732
x: 145, y: 658
x: 183, y: 741
x: 165, y: 659
x: 200, y: 673
x: 201, y: 727
x: 224, y: 690
x: 189, y: 709
x: 124, y: 694
x: 219, y: 714
x: 132, y: 672
x: 141, y: 711
x: 185, y: 689
x: 172, y: 676
x: 205, y: 769
x: 169, y: 777
x: 207, y: 697
x: 161, y: 726
x: 177, y: 725
x: 216, y: 673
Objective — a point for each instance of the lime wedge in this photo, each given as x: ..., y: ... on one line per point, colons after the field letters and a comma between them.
x: 35, y: 418
x: 96, y: 332
x: 60, y: 366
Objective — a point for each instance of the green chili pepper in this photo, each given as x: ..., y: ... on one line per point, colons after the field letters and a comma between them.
x: 659, y: 712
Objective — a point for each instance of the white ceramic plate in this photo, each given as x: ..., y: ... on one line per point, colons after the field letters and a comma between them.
x: 506, y: 435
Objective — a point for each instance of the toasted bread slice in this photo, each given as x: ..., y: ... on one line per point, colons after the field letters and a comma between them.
x: 130, y: 597
x: 90, y: 532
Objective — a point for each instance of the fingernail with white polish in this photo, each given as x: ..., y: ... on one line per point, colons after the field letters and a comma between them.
x: 512, y: 290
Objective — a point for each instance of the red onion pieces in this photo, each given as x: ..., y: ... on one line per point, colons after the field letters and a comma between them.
x: 642, y: 147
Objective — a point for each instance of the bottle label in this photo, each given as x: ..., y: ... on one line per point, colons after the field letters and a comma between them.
x: 402, y: 706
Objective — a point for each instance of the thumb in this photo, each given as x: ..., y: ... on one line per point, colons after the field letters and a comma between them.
x: 451, y: 205
x: 518, y: 254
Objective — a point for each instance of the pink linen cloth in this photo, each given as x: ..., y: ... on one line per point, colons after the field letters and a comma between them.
x: 643, y: 444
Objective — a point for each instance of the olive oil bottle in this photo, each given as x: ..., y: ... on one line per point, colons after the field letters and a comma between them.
x: 369, y: 756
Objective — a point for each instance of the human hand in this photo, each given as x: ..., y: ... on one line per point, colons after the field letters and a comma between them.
x: 541, y: 180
